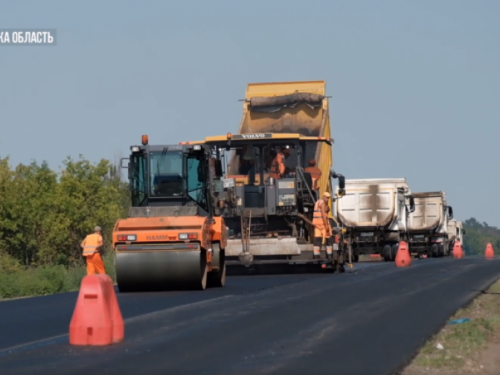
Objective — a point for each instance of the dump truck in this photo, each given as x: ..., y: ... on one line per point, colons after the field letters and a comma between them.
x: 172, y: 238
x: 269, y: 221
x: 296, y: 107
x: 374, y: 213
x: 428, y: 224
x: 456, y: 232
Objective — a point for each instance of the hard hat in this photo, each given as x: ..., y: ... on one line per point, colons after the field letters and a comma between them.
x: 312, y: 162
x: 326, y: 194
x: 97, y: 229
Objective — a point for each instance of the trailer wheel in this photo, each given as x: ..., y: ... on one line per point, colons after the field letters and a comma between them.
x: 434, y: 251
x: 386, y: 253
x: 395, y: 249
x: 441, y: 250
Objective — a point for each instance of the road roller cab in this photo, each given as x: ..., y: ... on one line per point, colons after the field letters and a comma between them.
x: 172, y: 237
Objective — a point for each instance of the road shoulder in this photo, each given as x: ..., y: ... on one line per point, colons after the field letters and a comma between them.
x: 470, y: 346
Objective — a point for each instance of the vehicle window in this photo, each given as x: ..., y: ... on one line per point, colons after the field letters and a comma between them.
x: 166, y: 174
x: 196, y: 180
x: 138, y: 180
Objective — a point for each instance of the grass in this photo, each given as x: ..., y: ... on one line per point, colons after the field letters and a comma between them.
x: 462, y: 343
x: 42, y: 281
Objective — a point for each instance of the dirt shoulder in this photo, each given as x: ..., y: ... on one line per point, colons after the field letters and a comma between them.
x: 470, y: 347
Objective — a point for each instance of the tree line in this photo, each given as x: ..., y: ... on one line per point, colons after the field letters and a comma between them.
x: 477, y: 235
x: 44, y: 214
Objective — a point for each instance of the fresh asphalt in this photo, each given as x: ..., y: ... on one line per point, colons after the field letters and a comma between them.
x: 371, y: 321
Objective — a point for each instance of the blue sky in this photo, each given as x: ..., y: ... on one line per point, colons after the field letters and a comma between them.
x: 414, y: 85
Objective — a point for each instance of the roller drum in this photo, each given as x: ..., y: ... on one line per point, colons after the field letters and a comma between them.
x: 160, y: 270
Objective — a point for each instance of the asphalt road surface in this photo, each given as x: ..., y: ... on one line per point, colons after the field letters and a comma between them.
x: 368, y: 322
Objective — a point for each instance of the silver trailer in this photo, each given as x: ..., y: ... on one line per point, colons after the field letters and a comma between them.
x: 428, y: 224
x: 374, y: 214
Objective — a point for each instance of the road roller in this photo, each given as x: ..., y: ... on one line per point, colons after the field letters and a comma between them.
x: 172, y: 238
x: 269, y: 221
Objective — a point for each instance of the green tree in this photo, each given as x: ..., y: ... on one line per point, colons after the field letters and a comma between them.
x: 45, y: 216
x: 477, y: 236
x: 88, y: 195
x: 26, y: 204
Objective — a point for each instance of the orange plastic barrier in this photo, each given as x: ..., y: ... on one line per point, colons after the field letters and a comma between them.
x: 97, y: 319
x: 458, y: 251
x: 489, y: 253
x: 403, y: 258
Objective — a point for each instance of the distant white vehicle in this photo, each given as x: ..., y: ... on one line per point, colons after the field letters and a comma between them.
x: 456, y: 232
x: 428, y: 224
x: 374, y: 213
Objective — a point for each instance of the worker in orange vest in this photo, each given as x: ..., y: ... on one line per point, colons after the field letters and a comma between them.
x: 322, y: 228
x: 277, y: 169
x: 332, y: 239
x: 91, y: 246
x: 315, y: 173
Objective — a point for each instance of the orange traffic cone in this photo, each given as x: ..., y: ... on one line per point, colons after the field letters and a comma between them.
x: 403, y: 258
x: 458, y: 252
x: 489, y: 253
x: 97, y: 319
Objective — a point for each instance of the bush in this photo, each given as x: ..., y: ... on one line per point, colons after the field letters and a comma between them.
x: 45, y: 215
x: 45, y: 280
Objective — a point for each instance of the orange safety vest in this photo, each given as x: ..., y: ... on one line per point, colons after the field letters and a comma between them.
x: 336, y: 237
x: 90, y: 243
x: 277, y: 167
x: 315, y: 175
x: 317, y: 216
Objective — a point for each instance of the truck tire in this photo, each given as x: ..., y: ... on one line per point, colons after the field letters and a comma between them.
x: 385, y: 253
x: 441, y: 250
x: 395, y: 249
x: 434, y: 251
x: 388, y: 253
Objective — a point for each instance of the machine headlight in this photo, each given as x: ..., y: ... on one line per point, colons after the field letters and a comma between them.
x: 126, y: 237
x: 135, y: 148
x: 188, y: 236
